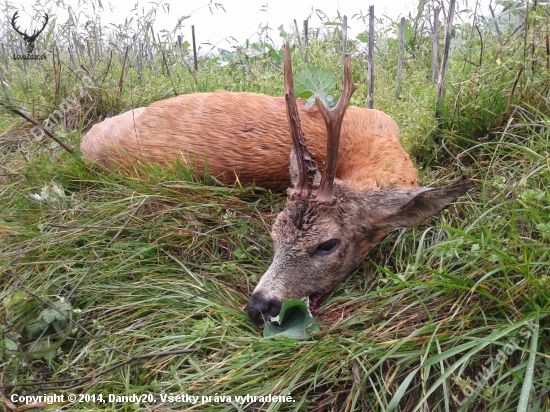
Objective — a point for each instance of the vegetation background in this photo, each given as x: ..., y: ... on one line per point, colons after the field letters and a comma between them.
x: 99, y: 271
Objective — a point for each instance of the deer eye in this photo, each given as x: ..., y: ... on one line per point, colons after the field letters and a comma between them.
x: 327, y: 247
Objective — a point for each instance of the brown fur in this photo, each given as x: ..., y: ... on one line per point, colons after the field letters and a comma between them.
x: 246, y: 135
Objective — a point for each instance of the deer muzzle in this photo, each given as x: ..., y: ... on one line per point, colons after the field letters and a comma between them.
x: 260, y: 308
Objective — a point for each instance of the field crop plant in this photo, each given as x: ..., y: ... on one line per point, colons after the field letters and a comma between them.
x: 136, y: 284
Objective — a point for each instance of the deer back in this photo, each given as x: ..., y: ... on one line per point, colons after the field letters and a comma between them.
x: 246, y: 136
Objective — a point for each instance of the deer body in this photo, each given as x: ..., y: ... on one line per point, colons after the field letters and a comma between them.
x: 332, y: 219
x: 245, y: 136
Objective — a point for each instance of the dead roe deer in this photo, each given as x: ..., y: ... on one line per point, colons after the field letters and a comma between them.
x: 332, y: 219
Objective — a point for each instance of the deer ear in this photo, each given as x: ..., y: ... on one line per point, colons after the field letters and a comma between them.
x: 294, y: 171
x: 408, y: 207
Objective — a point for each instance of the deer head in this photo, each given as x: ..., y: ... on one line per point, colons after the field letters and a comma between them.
x: 29, y: 39
x: 328, y: 228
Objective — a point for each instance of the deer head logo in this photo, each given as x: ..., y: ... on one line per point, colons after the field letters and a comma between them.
x: 29, y: 40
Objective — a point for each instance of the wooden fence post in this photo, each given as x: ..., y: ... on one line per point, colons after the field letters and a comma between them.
x: 370, y: 104
x: 149, y: 49
x: 137, y: 54
x: 445, y: 60
x: 344, y: 44
x: 305, y: 39
x: 195, y: 63
x: 435, y: 55
x: 4, y: 54
x: 496, y: 25
x: 89, y: 50
x: 400, y: 59
x: 180, y: 47
x: 298, y: 34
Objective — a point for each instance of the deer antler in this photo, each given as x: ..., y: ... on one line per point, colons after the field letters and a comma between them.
x: 15, y: 16
x: 333, y: 120
x: 306, y: 164
x: 24, y: 34
x: 37, y: 32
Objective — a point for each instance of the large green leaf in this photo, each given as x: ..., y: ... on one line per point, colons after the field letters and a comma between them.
x: 314, y: 80
x: 294, y: 321
x: 327, y: 99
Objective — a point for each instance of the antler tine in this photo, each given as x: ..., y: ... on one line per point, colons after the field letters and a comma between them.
x: 333, y: 120
x: 37, y: 32
x: 306, y: 164
x: 15, y: 17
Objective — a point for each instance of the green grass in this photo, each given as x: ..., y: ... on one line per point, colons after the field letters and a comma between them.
x: 451, y: 315
x: 167, y: 263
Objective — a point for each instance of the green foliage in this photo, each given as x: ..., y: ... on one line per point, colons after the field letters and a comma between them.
x: 314, y: 81
x: 490, y: 86
x: 9, y: 341
x: 57, y: 316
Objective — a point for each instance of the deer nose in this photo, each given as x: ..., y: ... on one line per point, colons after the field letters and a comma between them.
x: 261, y: 309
